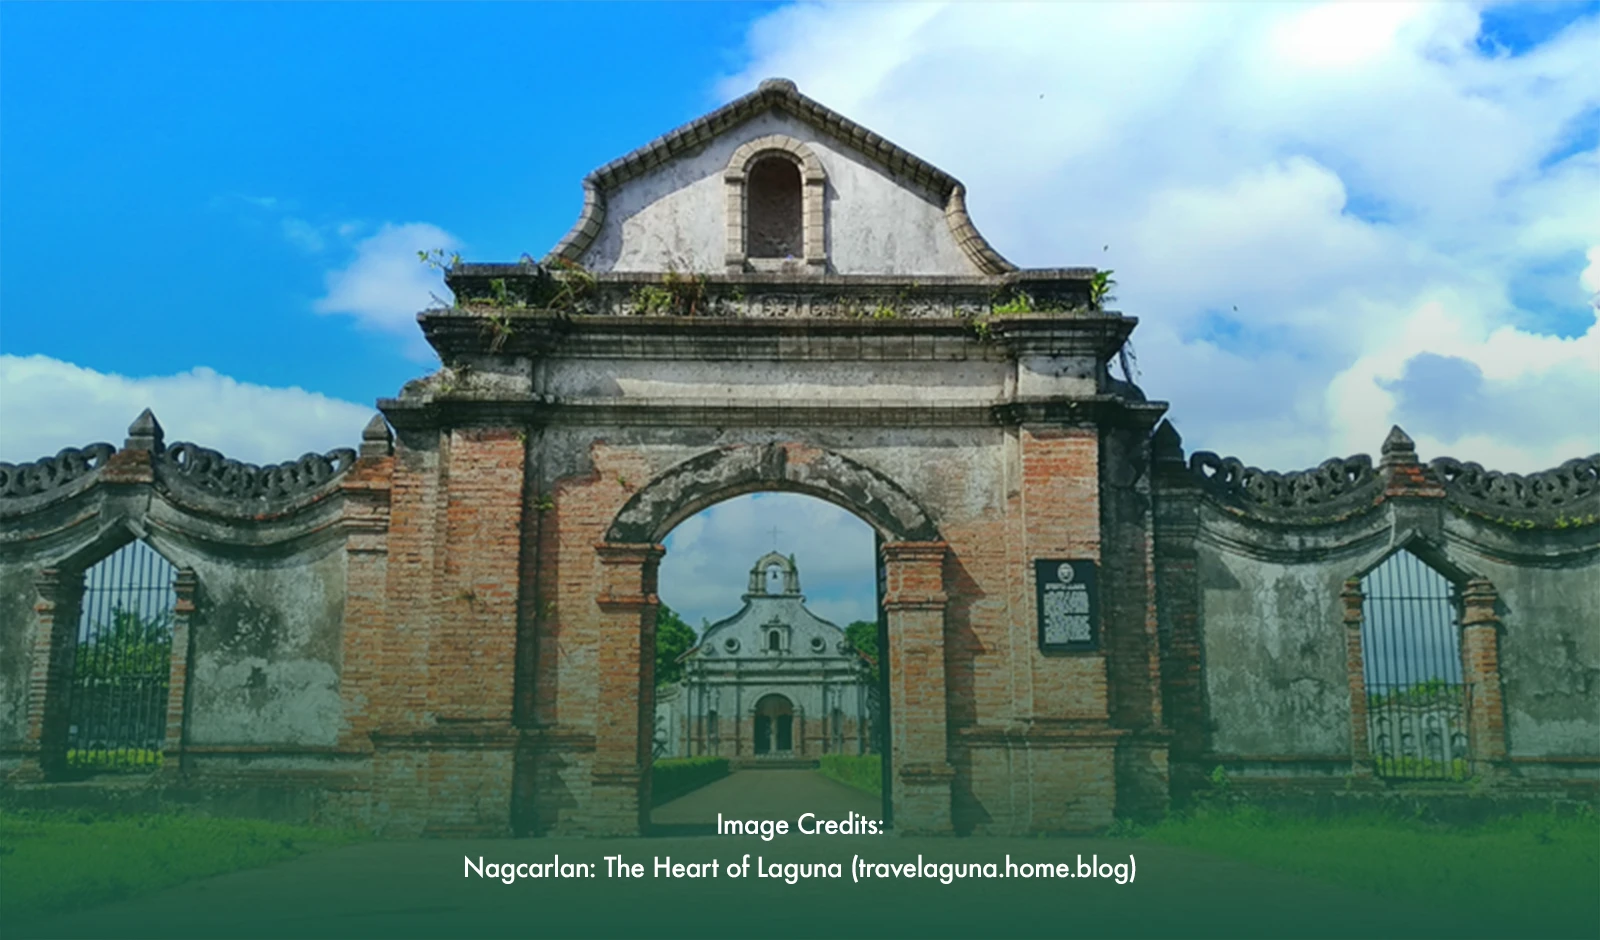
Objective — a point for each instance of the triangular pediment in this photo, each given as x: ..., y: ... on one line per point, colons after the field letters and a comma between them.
x: 688, y: 200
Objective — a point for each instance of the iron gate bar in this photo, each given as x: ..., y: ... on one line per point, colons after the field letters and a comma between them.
x: 1412, y: 650
x: 116, y: 698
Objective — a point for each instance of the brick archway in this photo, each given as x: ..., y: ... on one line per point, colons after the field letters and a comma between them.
x: 914, y: 601
x: 726, y: 472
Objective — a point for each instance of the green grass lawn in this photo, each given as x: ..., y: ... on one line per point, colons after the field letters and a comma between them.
x: 1508, y: 870
x: 57, y: 861
x: 864, y: 771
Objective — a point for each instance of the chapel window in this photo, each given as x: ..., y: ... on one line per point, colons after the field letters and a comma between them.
x: 776, y: 190
x: 774, y: 641
x: 775, y: 209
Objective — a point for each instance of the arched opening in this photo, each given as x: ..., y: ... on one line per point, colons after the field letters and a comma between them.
x: 774, y: 726
x: 1412, y: 670
x: 777, y: 672
x: 114, y: 697
x: 774, y: 209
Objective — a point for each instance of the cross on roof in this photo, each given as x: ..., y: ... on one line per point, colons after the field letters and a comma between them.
x: 774, y: 536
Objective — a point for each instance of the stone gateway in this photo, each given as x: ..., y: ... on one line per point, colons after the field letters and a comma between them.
x: 450, y: 630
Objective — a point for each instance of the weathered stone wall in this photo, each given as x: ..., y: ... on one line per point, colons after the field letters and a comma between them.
x: 16, y: 656
x: 271, y: 667
x: 1261, y: 658
x: 266, y: 654
x: 1550, y: 644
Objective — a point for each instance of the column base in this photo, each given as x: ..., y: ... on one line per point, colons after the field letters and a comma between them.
x: 922, y: 799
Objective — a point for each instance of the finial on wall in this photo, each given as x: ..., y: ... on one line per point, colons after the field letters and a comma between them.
x: 145, y: 434
x: 376, y: 439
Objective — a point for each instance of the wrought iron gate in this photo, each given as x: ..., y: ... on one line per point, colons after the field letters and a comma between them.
x: 116, y: 697
x: 1411, y: 649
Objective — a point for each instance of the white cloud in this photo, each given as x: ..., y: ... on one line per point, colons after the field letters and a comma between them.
x: 706, y: 568
x: 47, y: 404
x: 385, y: 286
x: 303, y: 235
x: 1590, y: 278
x: 1300, y: 201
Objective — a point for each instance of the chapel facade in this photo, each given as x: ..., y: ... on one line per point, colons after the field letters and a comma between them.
x: 773, y: 682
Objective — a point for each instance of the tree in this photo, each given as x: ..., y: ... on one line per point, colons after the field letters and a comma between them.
x: 130, y: 647
x: 673, y: 639
x: 863, y: 635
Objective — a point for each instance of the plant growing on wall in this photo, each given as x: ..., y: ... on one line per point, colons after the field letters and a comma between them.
x: 1100, y: 289
x: 499, y: 329
x: 1018, y: 302
x: 688, y: 291
x: 577, y: 283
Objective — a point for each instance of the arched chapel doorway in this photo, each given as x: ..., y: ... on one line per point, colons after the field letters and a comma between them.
x: 774, y: 726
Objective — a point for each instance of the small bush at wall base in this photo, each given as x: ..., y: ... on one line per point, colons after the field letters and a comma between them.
x: 862, y: 771
x: 1406, y: 767
x: 131, y: 760
x: 672, y: 778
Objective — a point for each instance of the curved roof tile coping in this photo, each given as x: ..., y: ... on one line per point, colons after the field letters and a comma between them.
x: 781, y: 94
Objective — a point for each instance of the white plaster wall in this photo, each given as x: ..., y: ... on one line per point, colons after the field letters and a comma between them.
x: 1276, y: 674
x: 676, y: 213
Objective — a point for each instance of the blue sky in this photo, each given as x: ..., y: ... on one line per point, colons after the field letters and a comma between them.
x: 1328, y: 218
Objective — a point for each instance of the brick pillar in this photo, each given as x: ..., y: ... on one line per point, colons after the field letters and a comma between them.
x: 185, y: 585
x: 1480, y: 654
x: 914, y: 600
x: 619, y: 802
x: 1356, y: 664
x: 367, y: 492
x: 55, y: 618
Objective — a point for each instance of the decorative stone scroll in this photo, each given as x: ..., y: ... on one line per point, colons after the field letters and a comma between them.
x: 19, y: 481
x: 195, y: 468
x: 1554, y: 493
x: 1333, y: 488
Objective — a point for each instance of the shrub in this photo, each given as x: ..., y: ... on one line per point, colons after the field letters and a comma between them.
x: 862, y: 771
x: 131, y: 760
x: 672, y: 778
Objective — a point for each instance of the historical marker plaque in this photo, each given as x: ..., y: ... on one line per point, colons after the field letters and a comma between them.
x: 1068, y: 605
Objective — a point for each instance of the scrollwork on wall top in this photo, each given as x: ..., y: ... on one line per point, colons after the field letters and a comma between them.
x: 1335, y: 486
x: 1552, y: 493
x: 19, y: 481
x: 196, y: 468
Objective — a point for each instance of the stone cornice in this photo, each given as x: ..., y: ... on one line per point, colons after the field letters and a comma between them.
x: 468, y: 411
x: 790, y: 322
